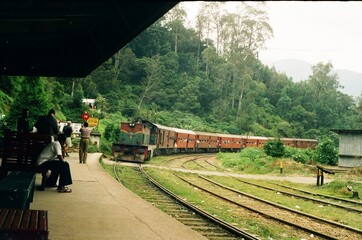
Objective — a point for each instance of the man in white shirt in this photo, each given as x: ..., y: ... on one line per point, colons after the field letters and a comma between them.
x: 52, y: 158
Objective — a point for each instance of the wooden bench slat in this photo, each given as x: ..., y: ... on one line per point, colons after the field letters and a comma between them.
x: 9, y: 218
x: 17, y: 220
x: 34, y: 224
x: 3, y: 213
x: 26, y: 219
x: 33, y: 220
x: 43, y: 220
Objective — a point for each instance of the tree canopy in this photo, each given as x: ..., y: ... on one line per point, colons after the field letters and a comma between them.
x: 207, y: 79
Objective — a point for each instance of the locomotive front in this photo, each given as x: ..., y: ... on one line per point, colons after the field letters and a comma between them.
x: 133, y: 143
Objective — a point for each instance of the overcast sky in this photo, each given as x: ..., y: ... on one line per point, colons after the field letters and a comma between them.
x: 313, y: 32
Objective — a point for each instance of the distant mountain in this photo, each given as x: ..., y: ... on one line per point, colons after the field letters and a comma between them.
x: 300, y: 70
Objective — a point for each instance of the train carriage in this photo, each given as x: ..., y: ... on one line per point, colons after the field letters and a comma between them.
x: 185, y: 140
x: 290, y: 142
x: 254, y: 141
x: 304, y: 143
x: 230, y: 142
x: 207, y: 142
x: 166, y: 137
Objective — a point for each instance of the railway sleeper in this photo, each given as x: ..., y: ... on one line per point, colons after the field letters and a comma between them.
x: 182, y: 216
x: 216, y: 234
x: 164, y: 202
x: 193, y: 223
x: 207, y: 228
x: 223, y: 238
x: 178, y: 210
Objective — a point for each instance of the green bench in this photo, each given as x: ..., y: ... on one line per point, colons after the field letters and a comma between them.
x: 17, y: 190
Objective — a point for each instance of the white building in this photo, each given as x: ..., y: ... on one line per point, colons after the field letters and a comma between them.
x: 90, y: 102
x: 76, y: 127
x: 350, y: 148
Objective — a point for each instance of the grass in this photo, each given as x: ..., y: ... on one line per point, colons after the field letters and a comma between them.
x: 263, y: 164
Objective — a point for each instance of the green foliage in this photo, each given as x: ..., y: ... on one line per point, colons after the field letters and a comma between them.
x: 274, y: 148
x: 299, y: 155
x: 34, y: 96
x: 248, y: 160
x: 252, y: 153
x: 176, y: 76
x: 253, y: 160
x: 92, y: 148
x: 326, y: 152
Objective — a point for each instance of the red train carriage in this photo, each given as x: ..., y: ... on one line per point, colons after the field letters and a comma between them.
x: 300, y: 143
x: 229, y: 142
x: 185, y: 140
x: 254, y: 141
x: 207, y: 142
x: 166, y: 138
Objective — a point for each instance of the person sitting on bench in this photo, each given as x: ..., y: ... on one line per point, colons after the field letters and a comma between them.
x: 52, y: 158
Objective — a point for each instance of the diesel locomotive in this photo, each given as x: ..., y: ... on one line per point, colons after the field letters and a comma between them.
x: 141, y: 140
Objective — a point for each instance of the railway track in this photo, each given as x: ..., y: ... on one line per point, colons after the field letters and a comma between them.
x: 188, y: 214
x: 337, y: 205
x: 317, y: 227
x: 343, y: 203
x: 323, y: 228
x: 343, y: 200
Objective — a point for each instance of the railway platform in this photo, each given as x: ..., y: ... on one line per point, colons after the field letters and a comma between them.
x: 101, y: 208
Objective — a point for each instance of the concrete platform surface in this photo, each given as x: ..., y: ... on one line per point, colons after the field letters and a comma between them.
x: 101, y: 208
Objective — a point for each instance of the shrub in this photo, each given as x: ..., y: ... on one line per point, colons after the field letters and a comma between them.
x: 274, y: 148
x: 326, y: 152
x: 252, y: 153
x: 92, y: 148
x: 299, y: 155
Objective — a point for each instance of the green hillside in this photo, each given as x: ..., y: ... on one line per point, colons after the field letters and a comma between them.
x: 178, y: 76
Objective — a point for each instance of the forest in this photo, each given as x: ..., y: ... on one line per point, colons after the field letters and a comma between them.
x: 205, y: 78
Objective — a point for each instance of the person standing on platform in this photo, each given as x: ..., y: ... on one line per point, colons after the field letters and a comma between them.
x: 48, y: 124
x: 23, y: 122
x: 68, y: 130
x: 85, y: 132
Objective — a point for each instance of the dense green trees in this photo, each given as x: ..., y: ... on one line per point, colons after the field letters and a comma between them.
x: 32, y: 95
x: 208, y: 79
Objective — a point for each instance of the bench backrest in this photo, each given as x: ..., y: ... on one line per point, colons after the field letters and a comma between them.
x: 20, y: 150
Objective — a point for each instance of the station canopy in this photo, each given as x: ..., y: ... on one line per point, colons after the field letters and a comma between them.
x: 64, y: 38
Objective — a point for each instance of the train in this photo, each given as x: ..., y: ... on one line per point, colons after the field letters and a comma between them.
x: 141, y: 140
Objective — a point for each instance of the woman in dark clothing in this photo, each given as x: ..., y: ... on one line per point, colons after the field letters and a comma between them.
x: 23, y: 122
x: 48, y: 124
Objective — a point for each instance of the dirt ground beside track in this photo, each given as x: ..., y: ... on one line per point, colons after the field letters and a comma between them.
x: 295, y: 179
